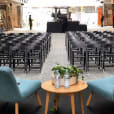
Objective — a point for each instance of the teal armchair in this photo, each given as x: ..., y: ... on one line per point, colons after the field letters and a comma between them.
x: 12, y: 90
x: 103, y: 87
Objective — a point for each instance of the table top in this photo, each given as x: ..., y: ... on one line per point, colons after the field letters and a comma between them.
x: 49, y: 87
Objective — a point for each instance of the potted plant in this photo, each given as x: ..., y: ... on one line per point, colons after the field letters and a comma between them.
x: 73, y: 73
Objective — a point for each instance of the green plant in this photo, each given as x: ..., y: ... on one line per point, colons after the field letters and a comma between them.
x: 61, y: 69
x: 73, y: 71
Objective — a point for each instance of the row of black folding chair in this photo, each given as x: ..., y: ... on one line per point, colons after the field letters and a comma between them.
x: 91, y: 50
x: 20, y: 53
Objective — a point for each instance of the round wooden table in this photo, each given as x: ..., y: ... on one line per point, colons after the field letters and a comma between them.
x: 76, y: 88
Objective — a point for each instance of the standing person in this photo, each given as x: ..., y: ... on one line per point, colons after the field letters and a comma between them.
x: 30, y: 22
x: 102, y: 20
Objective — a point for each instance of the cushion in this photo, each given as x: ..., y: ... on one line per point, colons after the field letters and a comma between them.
x: 8, y: 90
x: 103, y: 87
x: 28, y: 87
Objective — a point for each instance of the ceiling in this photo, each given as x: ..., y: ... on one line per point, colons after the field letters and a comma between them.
x: 62, y: 3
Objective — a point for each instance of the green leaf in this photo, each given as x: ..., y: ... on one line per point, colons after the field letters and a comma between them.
x: 52, y: 109
x: 82, y: 77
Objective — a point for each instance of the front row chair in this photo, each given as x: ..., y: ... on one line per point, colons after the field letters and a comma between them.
x: 12, y: 90
x: 103, y: 87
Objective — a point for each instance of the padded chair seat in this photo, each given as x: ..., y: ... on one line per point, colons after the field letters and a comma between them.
x: 103, y: 87
x: 28, y: 87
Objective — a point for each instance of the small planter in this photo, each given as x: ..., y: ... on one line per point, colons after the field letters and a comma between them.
x: 73, y: 80
x: 73, y: 71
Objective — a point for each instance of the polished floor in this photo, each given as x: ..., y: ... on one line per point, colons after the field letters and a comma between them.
x: 58, y: 55
x: 98, y: 105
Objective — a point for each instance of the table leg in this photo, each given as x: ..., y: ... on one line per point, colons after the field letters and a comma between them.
x: 47, y: 102
x: 72, y: 103
x: 81, y: 102
x: 57, y: 101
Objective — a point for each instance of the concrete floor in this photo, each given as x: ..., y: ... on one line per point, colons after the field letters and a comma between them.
x: 58, y: 55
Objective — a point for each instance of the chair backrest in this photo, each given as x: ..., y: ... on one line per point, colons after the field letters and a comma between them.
x: 8, y: 86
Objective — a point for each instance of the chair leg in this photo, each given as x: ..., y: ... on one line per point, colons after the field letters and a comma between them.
x: 38, y: 98
x: 89, y: 99
x: 16, y: 108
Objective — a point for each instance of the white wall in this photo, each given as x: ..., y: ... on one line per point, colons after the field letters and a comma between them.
x: 40, y: 18
x: 90, y: 19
